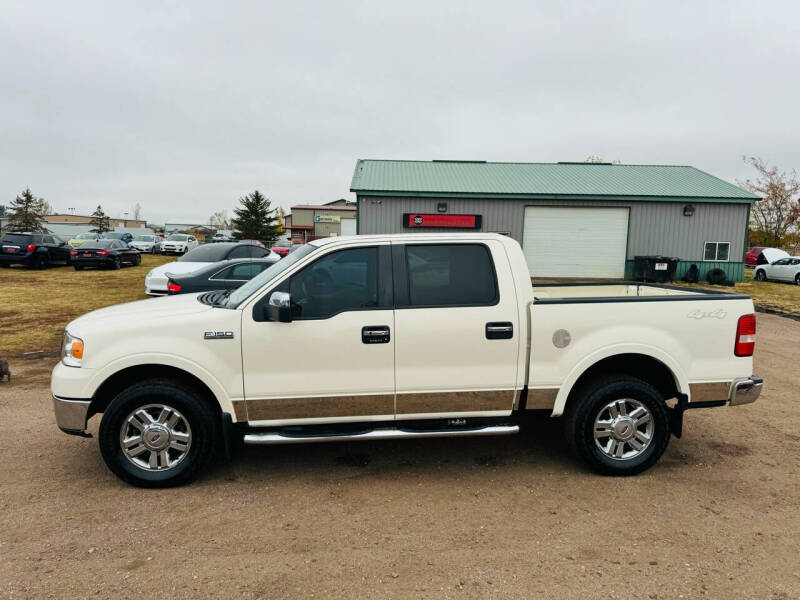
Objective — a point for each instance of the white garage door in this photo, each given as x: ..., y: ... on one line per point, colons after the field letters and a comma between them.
x: 348, y: 226
x: 575, y: 241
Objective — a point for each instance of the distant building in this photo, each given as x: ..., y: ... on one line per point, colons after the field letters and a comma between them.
x: 308, y: 221
x: 113, y: 222
x: 173, y: 227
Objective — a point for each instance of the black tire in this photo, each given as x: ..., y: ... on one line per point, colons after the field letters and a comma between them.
x: 588, y: 405
x: 116, y: 263
x: 797, y: 279
x: 201, y: 418
x: 78, y: 267
x: 137, y: 260
x: 760, y: 275
x: 40, y: 261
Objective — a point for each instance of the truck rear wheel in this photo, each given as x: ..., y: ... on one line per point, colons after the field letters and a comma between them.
x: 618, y: 425
x: 157, y: 434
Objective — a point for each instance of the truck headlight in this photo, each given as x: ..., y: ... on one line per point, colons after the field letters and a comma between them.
x: 71, y: 350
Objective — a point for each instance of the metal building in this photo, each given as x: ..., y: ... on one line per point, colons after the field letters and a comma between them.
x: 572, y: 219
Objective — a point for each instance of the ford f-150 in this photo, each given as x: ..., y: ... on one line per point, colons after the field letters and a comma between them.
x: 401, y: 336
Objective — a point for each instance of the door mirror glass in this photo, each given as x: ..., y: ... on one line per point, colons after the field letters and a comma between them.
x: 279, y: 308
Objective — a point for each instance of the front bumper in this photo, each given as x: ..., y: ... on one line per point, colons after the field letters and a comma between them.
x: 71, y: 415
x: 746, y: 390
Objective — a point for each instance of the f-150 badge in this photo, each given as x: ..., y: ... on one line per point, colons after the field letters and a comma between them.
x: 218, y: 335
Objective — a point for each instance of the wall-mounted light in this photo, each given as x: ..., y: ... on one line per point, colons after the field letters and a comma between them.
x: 441, y: 207
x: 688, y: 210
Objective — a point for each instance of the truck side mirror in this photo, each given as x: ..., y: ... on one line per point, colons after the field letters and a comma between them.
x: 279, y: 308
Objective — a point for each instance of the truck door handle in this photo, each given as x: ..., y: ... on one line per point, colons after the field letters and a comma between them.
x: 499, y: 331
x: 375, y: 334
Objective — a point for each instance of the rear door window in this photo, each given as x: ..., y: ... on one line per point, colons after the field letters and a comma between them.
x: 245, y: 272
x: 16, y: 240
x: 442, y: 275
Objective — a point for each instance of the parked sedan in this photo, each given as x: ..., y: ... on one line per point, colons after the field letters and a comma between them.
x: 224, y: 275
x: 81, y: 238
x: 111, y: 254
x: 179, y: 243
x: 784, y: 269
x: 125, y: 237
x: 37, y: 250
x: 282, y: 247
x: 155, y: 284
x: 146, y: 243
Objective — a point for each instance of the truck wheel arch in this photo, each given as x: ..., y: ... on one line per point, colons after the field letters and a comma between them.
x: 128, y: 376
x: 659, y: 371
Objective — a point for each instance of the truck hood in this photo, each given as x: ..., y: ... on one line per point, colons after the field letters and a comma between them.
x: 140, y: 312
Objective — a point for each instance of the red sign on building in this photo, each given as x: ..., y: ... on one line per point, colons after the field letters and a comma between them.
x: 418, y: 220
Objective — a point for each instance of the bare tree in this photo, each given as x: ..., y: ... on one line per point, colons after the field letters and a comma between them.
x: 219, y: 220
x: 777, y: 214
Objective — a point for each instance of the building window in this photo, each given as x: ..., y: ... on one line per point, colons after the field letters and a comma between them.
x: 717, y: 251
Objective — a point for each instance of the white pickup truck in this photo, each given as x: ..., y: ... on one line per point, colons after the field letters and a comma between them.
x: 403, y: 336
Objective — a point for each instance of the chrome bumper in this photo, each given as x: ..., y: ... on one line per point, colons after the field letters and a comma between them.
x: 745, y: 391
x: 71, y: 415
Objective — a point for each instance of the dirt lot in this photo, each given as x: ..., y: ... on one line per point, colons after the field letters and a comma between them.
x: 719, y: 517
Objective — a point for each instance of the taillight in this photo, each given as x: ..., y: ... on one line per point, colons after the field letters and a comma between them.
x: 73, y: 253
x: 745, y: 336
x: 102, y: 252
x: 31, y: 247
x: 173, y: 288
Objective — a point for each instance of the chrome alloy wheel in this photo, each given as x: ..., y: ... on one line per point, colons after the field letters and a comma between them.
x: 155, y: 437
x: 623, y: 429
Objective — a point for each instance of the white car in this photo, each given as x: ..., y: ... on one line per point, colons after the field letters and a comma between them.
x: 155, y: 283
x: 784, y: 269
x: 179, y: 243
x: 146, y: 243
x: 402, y: 336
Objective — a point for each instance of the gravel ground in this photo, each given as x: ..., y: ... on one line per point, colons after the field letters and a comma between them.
x: 718, y: 517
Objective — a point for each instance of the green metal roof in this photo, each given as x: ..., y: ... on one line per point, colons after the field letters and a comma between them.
x: 521, y: 180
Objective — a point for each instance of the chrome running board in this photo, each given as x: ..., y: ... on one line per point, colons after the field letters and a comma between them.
x: 376, y: 434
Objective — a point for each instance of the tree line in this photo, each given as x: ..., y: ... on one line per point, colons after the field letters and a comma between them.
x: 255, y: 218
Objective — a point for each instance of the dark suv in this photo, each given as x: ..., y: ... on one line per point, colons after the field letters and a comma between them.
x: 37, y: 250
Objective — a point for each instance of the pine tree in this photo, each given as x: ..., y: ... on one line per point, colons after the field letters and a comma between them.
x: 255, y: 220
x: 99, y: 221
x: 27, y: 212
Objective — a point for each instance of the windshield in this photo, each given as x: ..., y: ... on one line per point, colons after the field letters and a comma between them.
x: 85, y: 236
x: 177, y: 237
x: 143, y: 238
x: 248, y: 289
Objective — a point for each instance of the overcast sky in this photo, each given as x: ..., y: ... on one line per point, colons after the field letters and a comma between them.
x: 184, y: 107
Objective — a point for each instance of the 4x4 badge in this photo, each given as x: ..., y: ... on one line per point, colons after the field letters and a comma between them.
x: 218, y: 335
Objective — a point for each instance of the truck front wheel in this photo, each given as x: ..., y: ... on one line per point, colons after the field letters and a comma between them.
x: 618, y: 425
x: 157, y: 434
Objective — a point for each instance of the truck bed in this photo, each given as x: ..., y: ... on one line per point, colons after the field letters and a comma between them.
x: 691, y: 331
x: 560, y: 293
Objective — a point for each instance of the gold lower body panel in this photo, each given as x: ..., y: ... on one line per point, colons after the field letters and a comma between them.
x: 455, y: 402
x: 316, y: 407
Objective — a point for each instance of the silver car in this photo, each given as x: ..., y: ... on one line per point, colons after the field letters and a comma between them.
x: 146, y: 243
